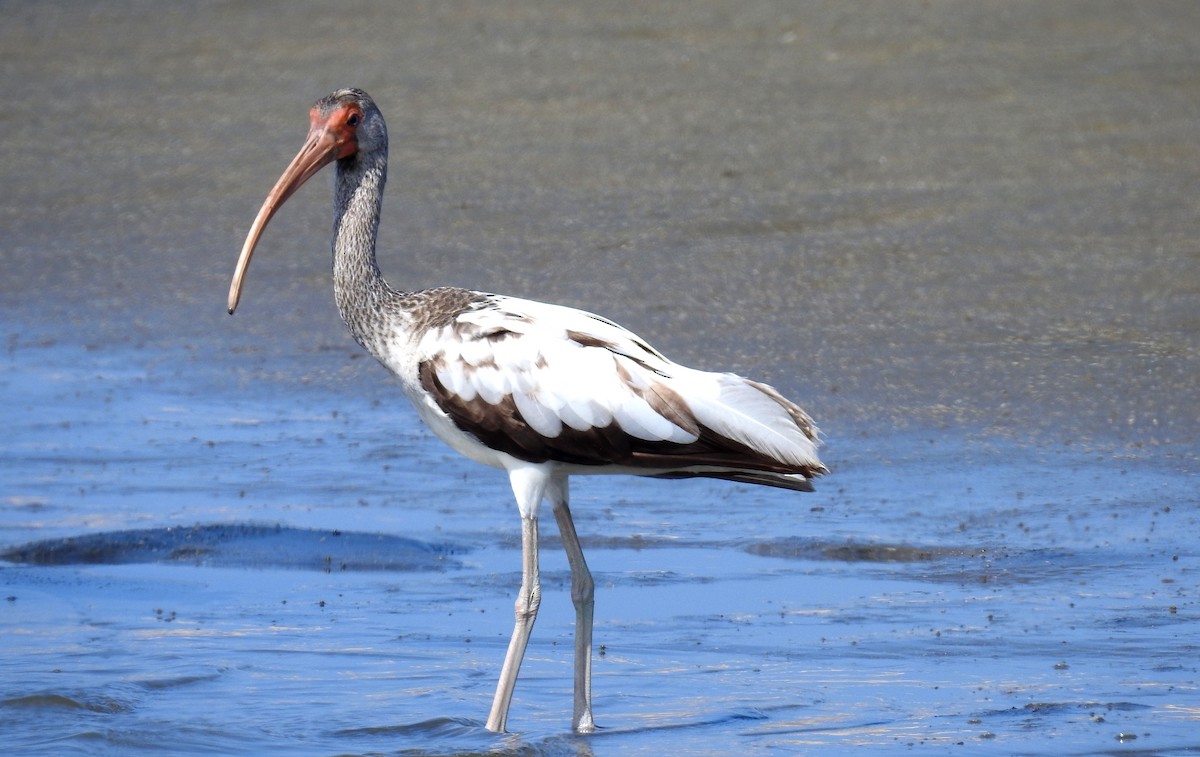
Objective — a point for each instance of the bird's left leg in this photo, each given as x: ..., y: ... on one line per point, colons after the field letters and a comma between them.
x: 582, y: 595
x: 529, y: 485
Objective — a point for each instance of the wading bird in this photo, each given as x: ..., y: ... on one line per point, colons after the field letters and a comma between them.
x: 539, y: 391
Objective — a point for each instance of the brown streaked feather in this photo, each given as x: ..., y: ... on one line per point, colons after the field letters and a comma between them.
x: 588, y: 340
x: 803, y: 422
x: 667, y: 403
x: 439, y: 307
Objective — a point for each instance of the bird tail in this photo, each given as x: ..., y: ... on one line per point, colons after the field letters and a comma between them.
x: 797, y: 482
x: 759, y: 417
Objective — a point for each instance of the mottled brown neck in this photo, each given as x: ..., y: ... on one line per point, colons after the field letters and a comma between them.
x: 376, y: 314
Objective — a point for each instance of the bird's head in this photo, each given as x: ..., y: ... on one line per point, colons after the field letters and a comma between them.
x: 352, y: 120
x: 344, y: 125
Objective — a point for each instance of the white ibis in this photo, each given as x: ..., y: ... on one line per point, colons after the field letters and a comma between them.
x: 539, y: 391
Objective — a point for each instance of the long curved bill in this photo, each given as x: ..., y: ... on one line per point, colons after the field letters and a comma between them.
x: 320, y: 148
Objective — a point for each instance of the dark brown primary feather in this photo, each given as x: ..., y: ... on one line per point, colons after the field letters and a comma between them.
x: 791, y: 482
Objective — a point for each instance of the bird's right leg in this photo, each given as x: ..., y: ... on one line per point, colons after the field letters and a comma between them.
x: 528, y: 487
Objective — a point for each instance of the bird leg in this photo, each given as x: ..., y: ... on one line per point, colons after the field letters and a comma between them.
x: 582, y: 596
x: 526, y: 609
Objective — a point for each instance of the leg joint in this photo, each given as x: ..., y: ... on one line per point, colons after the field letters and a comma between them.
x: 583, y: 588
x: 528, y: 601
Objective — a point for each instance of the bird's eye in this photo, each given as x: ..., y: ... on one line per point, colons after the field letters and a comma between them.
x: 354, y: 120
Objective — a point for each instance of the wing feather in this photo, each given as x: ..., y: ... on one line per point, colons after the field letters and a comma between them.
x: 543, y: 382
x: 537, y: 414
x: 741, y: 410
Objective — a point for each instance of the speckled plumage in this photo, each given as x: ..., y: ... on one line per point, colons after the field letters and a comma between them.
x: 540, y: 391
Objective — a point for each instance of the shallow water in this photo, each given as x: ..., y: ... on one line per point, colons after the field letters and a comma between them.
x: 962, y: 235
x: 981, y: 607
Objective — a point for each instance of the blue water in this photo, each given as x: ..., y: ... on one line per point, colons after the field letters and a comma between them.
x: 346, y: 588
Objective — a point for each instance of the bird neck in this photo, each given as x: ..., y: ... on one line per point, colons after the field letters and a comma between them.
x: 359, y: 287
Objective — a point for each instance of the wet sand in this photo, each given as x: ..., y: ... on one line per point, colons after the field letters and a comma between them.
x: 961, y: 234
